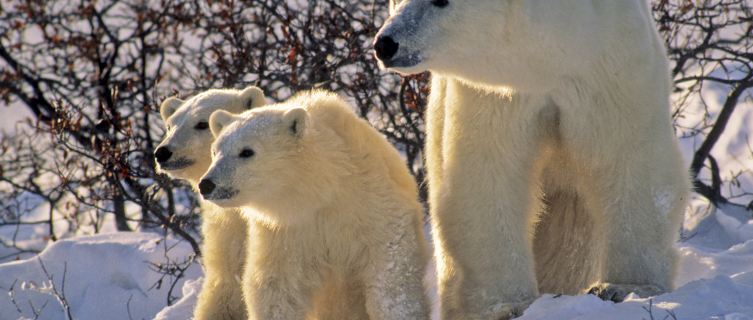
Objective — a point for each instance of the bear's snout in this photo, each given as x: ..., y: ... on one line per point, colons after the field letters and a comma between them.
x: 385, y: 48
x: 206, y: 186
x: 162, y: 154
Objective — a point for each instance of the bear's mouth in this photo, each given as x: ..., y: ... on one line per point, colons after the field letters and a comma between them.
x: 221, y: 193
x: 402, y: 60
x: 178, y: 164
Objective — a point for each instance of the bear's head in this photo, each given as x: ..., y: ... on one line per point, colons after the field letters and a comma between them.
x: 284, y: 162
x: 257, y: 157
x: 492, y: 43
x: 185, y: 151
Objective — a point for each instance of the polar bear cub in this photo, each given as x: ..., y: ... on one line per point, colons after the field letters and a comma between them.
x: 335, y: 222
x: 185, y: 153
x: 552, y: 162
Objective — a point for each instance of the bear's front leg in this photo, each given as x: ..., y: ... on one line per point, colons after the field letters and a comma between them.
x: 644, y: 200
x: 277, y: 283
x: 485, y: 206
x: 277, y: 298
x: 435, y: 118
x: 395, y: 271
x: 485, y: 265
x: 224, y: 255
x: 642, y: 222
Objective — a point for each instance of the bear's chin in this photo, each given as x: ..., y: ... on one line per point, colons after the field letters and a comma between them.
x: 223, y: 198
x: 172, y: 167
x: 222, y: 203
x: 406, y: 65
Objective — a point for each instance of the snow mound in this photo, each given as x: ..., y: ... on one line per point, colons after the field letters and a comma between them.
x: 718, y: 298
x: 184, y: 308
x: 108, y: 276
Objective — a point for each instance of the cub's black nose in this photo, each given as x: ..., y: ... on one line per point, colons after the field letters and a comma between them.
x: 162, y: 154
x: 206, y: 186
x: 385, y: 48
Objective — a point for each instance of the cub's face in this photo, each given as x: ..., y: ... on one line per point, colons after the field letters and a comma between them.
x: 185, y: 151
x: 255, y: 157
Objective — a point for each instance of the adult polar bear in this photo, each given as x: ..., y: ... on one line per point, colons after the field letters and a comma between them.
x: 553, y: 166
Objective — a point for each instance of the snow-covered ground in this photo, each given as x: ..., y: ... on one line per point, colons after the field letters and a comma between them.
x: 111, y: 276
x: 714, y: 282
x: 106, y: 276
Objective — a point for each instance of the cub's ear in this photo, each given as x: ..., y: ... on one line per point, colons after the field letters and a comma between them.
x: 169, y: 106
x: 296, y: 120
x: 219, y: 120
x: 393, y: 4
x: 252, y: 97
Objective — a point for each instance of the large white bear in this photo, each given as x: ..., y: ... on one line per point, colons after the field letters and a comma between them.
x: 552, y: 163
x: 185, y: 153
x: 335, y: 221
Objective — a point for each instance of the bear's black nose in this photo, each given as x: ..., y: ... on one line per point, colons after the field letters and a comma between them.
x: 206, y: 186
x: 385, y: 48
x: 162, y: 154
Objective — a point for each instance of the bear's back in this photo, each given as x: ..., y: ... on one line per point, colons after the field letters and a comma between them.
x: 370, y: 150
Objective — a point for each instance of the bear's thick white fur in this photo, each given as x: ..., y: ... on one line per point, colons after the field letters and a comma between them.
x: 335, y: 221
x: 552, y: 163
x: 224, y: 229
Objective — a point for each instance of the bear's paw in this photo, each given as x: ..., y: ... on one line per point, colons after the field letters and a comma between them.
x: 505, y: 311
x: 617, y: 292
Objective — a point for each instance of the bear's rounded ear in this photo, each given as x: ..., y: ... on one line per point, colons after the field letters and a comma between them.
x: 169, y: 106
x: 218, y: 120
x: 296, y: 120
x: 252, y: 97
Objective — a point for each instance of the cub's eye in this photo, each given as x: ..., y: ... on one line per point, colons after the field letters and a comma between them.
x: 440, y: 3
x: 201, y: 125
x: 246, y: 153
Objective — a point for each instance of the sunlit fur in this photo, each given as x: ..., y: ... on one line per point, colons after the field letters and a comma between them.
x: 336, y: 228
x: 223, y: 229
x: 552, y: 163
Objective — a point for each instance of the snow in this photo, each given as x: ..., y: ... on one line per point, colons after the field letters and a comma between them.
x: 109, y: 275
x: 717, y: 298
x: 184, y: 308
x: 713, y: 282
x: 106, y: 276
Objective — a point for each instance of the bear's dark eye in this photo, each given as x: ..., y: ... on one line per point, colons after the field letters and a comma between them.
x: 201, y: 125
x: 246, y: 153
x: 440, y: 3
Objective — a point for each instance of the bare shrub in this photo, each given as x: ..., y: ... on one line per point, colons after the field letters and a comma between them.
x: 93, y: 74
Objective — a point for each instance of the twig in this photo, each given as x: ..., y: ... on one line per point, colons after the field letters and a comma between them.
x: 59, y: 295
x: 35, y: 311
x: 650, y: 314
x: 128, y: 306
x: 175, y: 270
x: 13, y: 298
